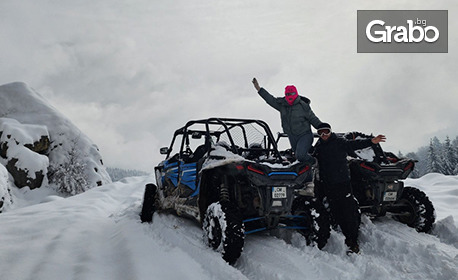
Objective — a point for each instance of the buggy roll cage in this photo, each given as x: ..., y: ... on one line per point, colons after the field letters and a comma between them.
x: 380, y: 155
x: 227, y: 124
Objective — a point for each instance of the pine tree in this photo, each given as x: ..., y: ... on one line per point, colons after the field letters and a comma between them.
x: 455, y: 148
x: 436, y: 142
x: 422, y: 157
x: 433, y: 163
x: 443, y: 158
x: 449, y: 158
x: 455, y: 142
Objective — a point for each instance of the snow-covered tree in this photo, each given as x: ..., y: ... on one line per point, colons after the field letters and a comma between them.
x: 437, y: 157
x: 455, y: 148
x: 70, y: 177
x: 449, y: 157
x: 455, y: 142
x: 436, y: 142
x: 432, y: 161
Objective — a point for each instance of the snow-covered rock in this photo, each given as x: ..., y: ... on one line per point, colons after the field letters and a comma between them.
x: 37, y: 139
x: 19, y: 146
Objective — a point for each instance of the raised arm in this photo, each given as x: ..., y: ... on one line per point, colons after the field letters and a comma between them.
x: 270, y: 99
x: 353, y: 145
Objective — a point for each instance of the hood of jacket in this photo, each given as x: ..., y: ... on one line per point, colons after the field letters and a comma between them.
x: 305, y: 99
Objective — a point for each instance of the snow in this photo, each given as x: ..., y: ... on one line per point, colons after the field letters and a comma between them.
x: 5, y: 186
x: 367, y: 154
x: 26, y: 117
x: 221, y: 152
x: 98, y: 235
x: 15, y: 135
x: 28, y: 160
x: 22, y: 133
x: 442, y: 191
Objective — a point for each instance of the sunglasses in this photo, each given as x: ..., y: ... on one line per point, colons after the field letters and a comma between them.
x: 324, y: 132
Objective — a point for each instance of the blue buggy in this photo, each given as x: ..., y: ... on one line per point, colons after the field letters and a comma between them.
x: 228, y: 175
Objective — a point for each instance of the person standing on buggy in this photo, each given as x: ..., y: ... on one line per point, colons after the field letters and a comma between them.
x: 296, y: 119
x: 334, y: 180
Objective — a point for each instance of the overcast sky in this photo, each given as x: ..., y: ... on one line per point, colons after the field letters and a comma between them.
x: 128, y: 73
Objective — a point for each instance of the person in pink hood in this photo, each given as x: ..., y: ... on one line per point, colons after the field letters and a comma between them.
x: 297, y: 118
x: 291, y: 94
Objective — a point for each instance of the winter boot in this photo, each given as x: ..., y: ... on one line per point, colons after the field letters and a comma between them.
x: 353, y: 250
x: 353, y: 247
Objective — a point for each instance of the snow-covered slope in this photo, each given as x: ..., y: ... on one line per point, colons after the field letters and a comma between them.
x: 98, y: 235
x: 26, y: 115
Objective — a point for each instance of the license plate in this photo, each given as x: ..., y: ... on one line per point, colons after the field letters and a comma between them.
x: 390, y: 196
x: 278, y: 192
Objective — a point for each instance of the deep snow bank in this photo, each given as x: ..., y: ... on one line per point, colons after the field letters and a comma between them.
x: 442, y: 190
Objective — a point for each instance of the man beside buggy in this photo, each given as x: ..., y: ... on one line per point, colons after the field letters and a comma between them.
x: 330, y: 151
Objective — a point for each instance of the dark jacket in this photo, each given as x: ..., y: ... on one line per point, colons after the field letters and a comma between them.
x: 295, y: 119
x: 332, y: 157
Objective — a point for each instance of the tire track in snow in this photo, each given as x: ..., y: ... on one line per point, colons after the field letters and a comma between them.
x: 69, y: 239
x: 267, y: 257
x: 179, y: 240
x: 50, y: 253
x: 178, y: 236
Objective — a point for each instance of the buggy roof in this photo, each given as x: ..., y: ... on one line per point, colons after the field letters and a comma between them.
x: 216, y: 126
x: 227, y: 123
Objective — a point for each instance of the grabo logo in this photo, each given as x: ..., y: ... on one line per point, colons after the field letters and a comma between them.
x: 402, y: 31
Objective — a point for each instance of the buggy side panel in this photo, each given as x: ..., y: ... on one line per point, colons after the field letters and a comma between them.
x: 171, y: 171
x: 188, y: 177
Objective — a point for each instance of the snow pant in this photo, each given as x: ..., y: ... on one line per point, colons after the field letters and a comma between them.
x: 344, y: 209
x: 301, y: 145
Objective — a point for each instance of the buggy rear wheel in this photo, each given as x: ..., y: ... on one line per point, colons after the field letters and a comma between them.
x: 316, y: 220
x: 223, y: 230
x: 148, y: 207
x: 418, y: 210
